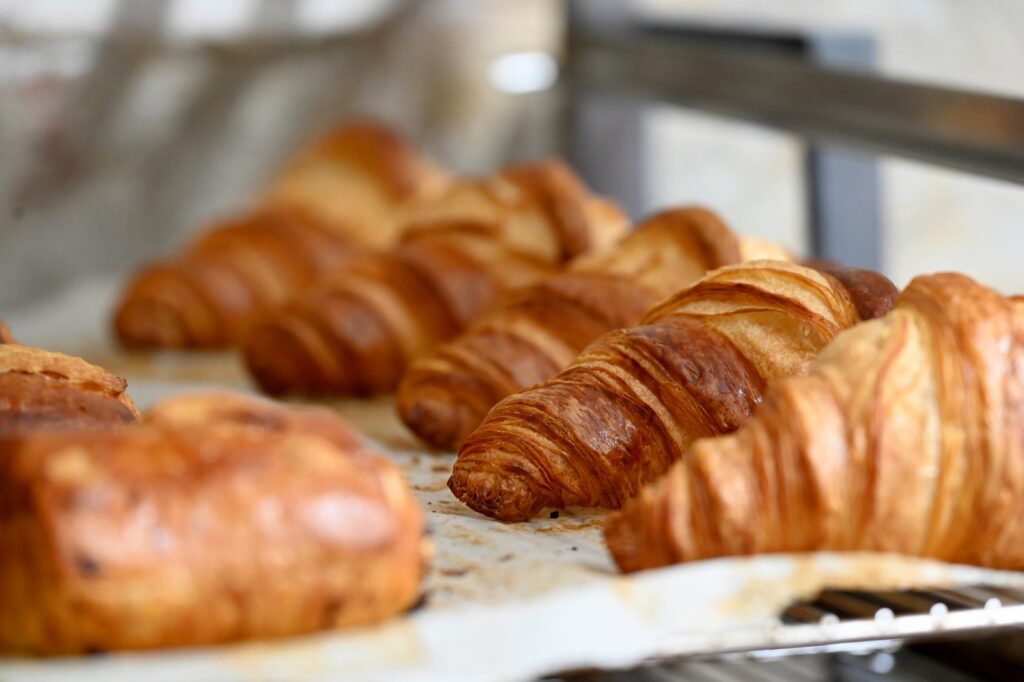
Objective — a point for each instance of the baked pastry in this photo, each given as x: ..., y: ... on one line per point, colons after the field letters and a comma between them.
x: 5, y: 333
x: 539, y: 330
x: 40, y: 388
x: 906, y: 436
x: 217, y: 518
x: 636, y: 398
x: 362, y: 178
x: 341, y: 196
x: 355, y: 331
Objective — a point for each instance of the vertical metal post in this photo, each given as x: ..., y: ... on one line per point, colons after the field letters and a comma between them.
x: 602, y: 136
x: 844, y: 209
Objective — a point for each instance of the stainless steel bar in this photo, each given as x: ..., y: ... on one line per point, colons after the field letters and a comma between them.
x: 963, y: 130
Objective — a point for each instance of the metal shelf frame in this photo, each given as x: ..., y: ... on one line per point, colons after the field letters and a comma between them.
x: 819, y: 86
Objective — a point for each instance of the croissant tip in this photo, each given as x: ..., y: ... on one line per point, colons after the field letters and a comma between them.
x: 274, y: 361
x: 149, y: 324
x: 434, y: 417
x: 619, y: 538
x: 505, y: 497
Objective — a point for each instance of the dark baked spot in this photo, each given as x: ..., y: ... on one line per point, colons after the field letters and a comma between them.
x: 331, y: 610
x: 87, y: 566
x: 420, y: 603
x: 554, y: 514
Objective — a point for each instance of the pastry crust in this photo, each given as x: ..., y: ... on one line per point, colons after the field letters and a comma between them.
x: 217, y: 518
x: 42, y: 388
x: 539, y: 330
x: 635, y: 399
x: 356, y: 331
x: 906, y: 436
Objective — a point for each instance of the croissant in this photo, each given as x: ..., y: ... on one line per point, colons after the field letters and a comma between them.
x: 539, y: 330
x: 355, y: 331
x: 43, y: 388
x: 906, y: 436
x: 362, y: 178
x: 217, y: 518
x: 5, y: 333
x: 338, y: 198
x: 635, y: 399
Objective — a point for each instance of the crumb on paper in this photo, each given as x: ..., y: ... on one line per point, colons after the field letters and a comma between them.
x: 453, y: 572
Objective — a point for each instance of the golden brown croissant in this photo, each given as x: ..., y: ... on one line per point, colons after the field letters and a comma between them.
x: 636, y: 398
x: 218, y: 518
x: 43, y: 388
x: 906, y: 436
x: 339, y: 197
x: 355, y: 332
x: 539, y: 330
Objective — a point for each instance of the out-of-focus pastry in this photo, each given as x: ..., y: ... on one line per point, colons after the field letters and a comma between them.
x: 40, y: 388
x: 217, y: 518
x: 340, y: 197
x: 355, y: 331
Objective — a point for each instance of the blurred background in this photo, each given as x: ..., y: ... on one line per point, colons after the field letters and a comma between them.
x: 125, y: 124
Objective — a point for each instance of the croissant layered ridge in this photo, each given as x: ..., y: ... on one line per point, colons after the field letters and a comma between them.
x: 539, y: 330
x: 632, y: 403
x: 907, y: 436
x: 356, y: 331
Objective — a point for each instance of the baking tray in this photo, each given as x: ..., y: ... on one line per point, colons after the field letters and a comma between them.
x: 502, y: 601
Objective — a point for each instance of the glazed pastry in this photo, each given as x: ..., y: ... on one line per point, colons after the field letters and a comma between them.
x: 337, y: 199
x: 216, y: 519
x: 355, y: 332
x: 539, y: 330
x: 906, y: 436
x: 5, y: 333
x: 40, y: 388
x: 636, y: 398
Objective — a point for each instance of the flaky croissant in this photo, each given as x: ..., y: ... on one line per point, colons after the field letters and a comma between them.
x: 341, y: 196
x: 40, y: 388
x: 215, y: 519
x: 906, y: 436
x: 636, y: 398
x: 539, y: 330
x: 355, y: 332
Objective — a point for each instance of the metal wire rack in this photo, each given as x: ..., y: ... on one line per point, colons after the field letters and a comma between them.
x: 968, y: 631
